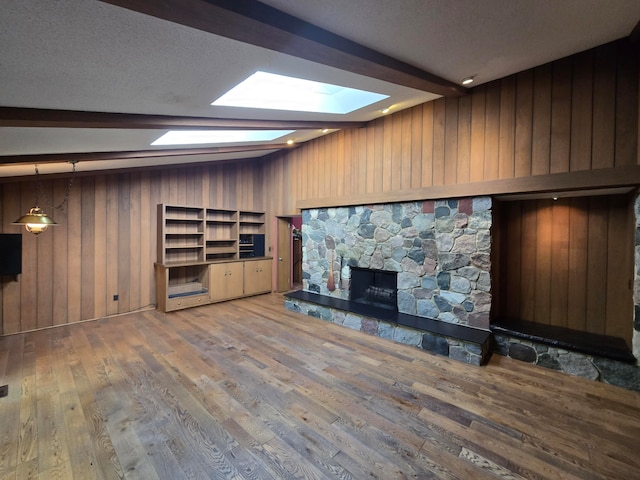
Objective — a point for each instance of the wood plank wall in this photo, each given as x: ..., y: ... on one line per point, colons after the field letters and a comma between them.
x: 575, y: 114
x: 105, y: 242
x: 567, y: 263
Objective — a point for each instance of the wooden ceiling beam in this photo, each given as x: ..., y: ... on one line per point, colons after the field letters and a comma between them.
x: 134, y: 154
x: 256, y: 23
x: 36, y: 117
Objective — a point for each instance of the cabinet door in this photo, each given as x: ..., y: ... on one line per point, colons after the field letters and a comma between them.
x: 225, y: 281
x: 257, y: 277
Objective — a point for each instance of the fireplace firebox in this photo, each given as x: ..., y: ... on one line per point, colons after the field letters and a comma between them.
x: 374, y: 287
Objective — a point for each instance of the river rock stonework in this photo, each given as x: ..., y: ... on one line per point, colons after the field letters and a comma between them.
x: 440, y: 249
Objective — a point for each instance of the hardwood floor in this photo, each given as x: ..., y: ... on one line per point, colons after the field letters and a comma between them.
x: 249, y: 390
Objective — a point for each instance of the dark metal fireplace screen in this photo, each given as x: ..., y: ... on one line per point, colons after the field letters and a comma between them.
x: 374, y: 287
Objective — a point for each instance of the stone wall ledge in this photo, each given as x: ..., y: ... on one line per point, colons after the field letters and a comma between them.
x: 473, y: 339
x: 613, y: 348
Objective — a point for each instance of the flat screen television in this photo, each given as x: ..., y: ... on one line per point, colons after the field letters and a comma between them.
x: 10, y: 253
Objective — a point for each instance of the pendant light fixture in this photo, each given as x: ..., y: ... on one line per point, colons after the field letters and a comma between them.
x: 36, y: 221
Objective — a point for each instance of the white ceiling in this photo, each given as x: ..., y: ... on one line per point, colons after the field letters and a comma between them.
x: 92, y: 56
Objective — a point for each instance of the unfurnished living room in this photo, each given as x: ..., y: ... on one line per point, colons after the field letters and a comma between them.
x: 286, y: 239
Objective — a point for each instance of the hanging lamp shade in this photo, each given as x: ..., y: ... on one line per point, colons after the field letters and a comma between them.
x: 36, y: 221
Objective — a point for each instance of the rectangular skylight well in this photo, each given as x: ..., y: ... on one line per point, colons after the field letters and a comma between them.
x: 198, y: 137
x: 279, y: 92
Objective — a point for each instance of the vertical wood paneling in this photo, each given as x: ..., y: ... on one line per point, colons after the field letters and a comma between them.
x: 28, y: 279
x: 112, y: 238
x: 478, y: 98
x: 370, y: 156
x: 74, y: 257
x: 492, y: 131
x: 541, y: 121
x: 506, y: 148
x: 88, y: 254
x: 100, y: 248
x: 577, y: 277
x: 528, y: 262
x: 463, y: 172
x: 543, y: 234
x: 124, y: 236
x: 597, y: 265
x: 396, y: 165
x: 427, y: 144
x: 560, y: 116
x: 344, y: 165
x: 568, y: 263
x: 439, y: 109
x: 524, y: 121
x: 44, y: 307
x: 416, y: 147
x: 59, y: 235
x: 512, y: 232
x: 604, y: 107
x: 360, y: 154
x: 451, y: 141
x: 135, y: 227
x: 559, y: 289
x: 581, y: 111
x: 387, y: 154
x: 406, y: 157
x: 627, y: 111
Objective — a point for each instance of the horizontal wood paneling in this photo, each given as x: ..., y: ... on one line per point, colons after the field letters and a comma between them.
x: 567, y: 263
x: 573, y: 115
x: 105, y: 243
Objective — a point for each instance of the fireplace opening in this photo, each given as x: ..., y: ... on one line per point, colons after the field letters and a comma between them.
x: 374, y: 287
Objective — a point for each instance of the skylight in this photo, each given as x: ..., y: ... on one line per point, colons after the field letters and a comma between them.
x: 193, y: 137
x: 279, y: 92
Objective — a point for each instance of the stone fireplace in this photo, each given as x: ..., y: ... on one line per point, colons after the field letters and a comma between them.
x: 432, y: 256
x: 439, y: 251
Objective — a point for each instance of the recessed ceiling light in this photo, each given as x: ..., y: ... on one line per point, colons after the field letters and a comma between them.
x: 192, y: 137
x: 279, y: 92
x: 386, y: 110
x: 289, y: 142
x: 324, y: 130
x: 468, y: 80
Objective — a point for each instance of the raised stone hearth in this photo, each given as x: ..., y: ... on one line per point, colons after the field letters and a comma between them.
x: 438, y: 252
x: 459, y: 342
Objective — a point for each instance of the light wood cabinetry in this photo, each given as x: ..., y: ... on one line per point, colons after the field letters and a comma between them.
x: 257, y: 276
x: 226, y: 281
x: 208, y: 255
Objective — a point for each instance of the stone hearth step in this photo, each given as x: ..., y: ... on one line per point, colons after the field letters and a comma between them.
x: 461, y: 342
x: 605, y: 346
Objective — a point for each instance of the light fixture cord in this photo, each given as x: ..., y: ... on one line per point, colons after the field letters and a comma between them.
x: 41, y: 194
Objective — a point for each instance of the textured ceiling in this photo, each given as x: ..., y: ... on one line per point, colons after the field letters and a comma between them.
x: 92, y: 56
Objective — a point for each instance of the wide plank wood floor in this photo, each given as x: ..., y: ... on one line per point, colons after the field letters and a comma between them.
x: 248, y: 390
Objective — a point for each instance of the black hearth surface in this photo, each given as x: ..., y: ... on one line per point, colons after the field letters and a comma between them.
x: 606, y: 346
x: 453, y: 330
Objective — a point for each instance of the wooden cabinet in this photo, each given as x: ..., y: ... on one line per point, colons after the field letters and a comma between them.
x: 257, y: 277
x: 226, y: 280
x: 201, y: 252
x: 181, y: 286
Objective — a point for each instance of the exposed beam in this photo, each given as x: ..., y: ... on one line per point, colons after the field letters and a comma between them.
x: 255, y: 23
x: 96, y: 156
x: 35, y: 117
